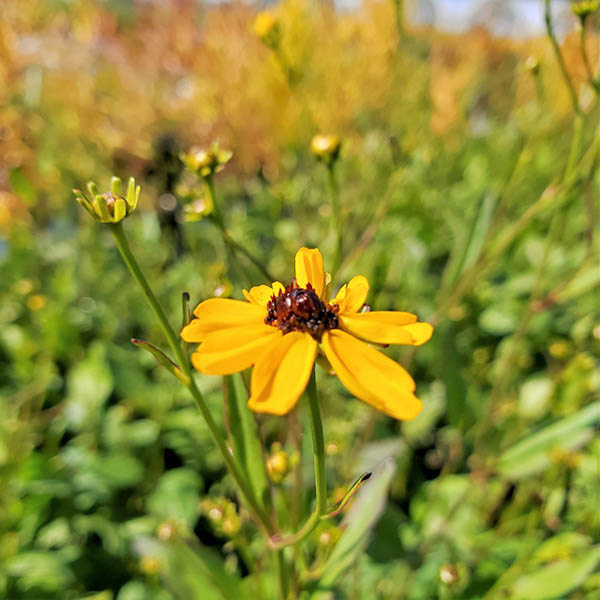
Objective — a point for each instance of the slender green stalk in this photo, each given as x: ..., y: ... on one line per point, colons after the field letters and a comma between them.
x: 183, y: 363
x: 586, y: 59
x: 559, y: 56
x: 316, y: 426
x: 337, y: 218
x: 232, y: 244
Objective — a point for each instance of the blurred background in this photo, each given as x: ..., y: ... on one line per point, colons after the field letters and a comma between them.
x: 456, y: 128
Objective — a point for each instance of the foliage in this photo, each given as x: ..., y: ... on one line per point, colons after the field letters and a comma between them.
x: 454, y: 204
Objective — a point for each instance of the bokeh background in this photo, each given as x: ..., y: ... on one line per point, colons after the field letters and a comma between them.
x: 454, y: 119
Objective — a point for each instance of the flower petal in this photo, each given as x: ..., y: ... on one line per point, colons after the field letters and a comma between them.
x: 351, y: 297
x: 309, y: 269
x: 371, y: 375
x: 217, y: 314
x: 233, y: 349
x: 281, y: 373
x: 386, y: 327
x: 261, y: 294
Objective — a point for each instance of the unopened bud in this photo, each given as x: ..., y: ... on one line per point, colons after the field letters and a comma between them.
x: 206, y: 162
x: 532, y: 64
x: 278, y: 466
x: 112, y: 206
x: 326, y: 147
x: 584, y: 8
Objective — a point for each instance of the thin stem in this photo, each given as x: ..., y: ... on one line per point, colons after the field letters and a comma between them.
x: 586, y: 59
x: 316, y: 426
x: 559, y: 56
x: 183, y: 363
x: 337, y: 218
x: 232, y: 244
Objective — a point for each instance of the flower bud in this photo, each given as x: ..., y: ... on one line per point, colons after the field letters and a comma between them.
x: 206, y: 162
x: 326, y: 147
x: 532, y: 64
x: 278, y: 466
x: 223, y: 516
x: 110, y: 207
x: 584, y: 8
x: 267, y: 29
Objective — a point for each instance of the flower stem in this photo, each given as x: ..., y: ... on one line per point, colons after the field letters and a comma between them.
x: 316, y: 426
x: 586, y: 59
x: 232, y: 244
x: 337, y: 218
x: 183, y: 363
x: 559, y: 57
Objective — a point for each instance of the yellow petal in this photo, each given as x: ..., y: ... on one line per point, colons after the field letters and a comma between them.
x: 309, y: 269
x: 386, y: 327
x: 261, y: 294
x: 370, y: 375
x: 217, y: 314
x: 234, y: 349
x: 351, y: 297
x: 281, y: 373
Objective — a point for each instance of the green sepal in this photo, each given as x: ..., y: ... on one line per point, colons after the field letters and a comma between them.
x: 116, y: 186
x: 102, y: 209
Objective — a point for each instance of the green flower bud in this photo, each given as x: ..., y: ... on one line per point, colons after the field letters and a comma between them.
x: 206, y: 162
x: 110, y: 207
x: 584, y: 8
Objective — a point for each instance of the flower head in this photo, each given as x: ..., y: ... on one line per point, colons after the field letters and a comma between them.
x: 584, y: 8
x: 110, y: 207
x: 326, y: 147
x: 281, y: 331
x: 267, y: 28
x: 206, y: 162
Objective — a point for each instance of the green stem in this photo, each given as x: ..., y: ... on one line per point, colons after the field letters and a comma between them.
x: 586, y: 59
x: 183, y: 363
x: 316, y: 426
x: 575, y: 151
x: 337, y: 218
x: 559, y: 56
x: 232, y: 244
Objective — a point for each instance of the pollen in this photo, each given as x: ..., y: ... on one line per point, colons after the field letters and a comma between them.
x: 301, y: 309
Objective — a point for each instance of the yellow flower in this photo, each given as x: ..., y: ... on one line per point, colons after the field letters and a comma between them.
x: 326, y: 147
x: 267, y: 28
x: 281, y: 330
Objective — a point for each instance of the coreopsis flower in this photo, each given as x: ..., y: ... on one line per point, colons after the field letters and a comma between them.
x: 326, y: 147
x: 281, y: 331
x: 110, y: 207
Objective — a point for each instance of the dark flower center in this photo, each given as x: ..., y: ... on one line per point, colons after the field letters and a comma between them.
x: 300, y: 309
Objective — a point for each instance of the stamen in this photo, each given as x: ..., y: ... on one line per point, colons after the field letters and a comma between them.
x: 300, y: 309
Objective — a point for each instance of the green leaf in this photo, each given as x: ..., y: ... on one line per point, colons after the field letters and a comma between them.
x: 22, y: 186
x: 89, y: 385
x: 530, y: 455
x: 245, y: 438
x: 359, y: 522
x: 466, y: 254
x: 556, y: 579
x: 176, y: 496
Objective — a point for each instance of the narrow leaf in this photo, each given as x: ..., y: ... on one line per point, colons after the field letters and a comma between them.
x: 531, y: 454
x: 347, y: 496
x: 162, y: 359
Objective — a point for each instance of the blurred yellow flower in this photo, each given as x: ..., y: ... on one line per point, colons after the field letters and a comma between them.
x: 280, y: 330
x: 267, y: 28
x: 326, y: 147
